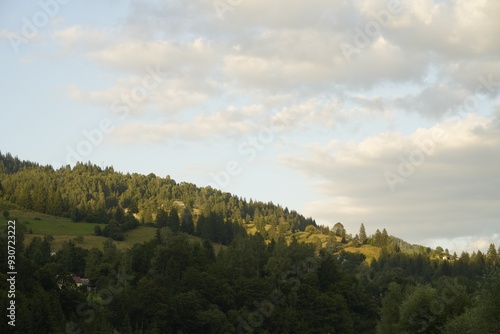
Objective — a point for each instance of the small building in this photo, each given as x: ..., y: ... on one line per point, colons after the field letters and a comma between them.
x: 70, y: 281
x: 77, y: 280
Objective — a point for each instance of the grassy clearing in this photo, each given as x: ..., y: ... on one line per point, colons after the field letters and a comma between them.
x: 64, y: 230
x: 89, y: 241
x: 139, y: 235
x: 40, y: 223
x: 371, y: 252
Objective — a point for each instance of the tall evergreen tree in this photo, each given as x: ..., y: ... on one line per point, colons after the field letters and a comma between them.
x: 187, y: 224
x: 492, y: 255
x: 173, y: 221
x: 362, y: 234
x: 385, y: 237
x: 161, y: 218
x: 377, y: 239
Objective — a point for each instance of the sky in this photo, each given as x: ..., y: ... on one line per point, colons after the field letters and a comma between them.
x: 385, y: 113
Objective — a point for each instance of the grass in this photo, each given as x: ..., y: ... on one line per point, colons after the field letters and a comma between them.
x: 61, y: 233
x: 89, y: 242
x: 40, y: 223
x: 63, y: 230
x: 139, y: 235
x: 371, y: 252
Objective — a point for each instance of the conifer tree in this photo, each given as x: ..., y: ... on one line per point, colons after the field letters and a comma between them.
x: 492, y: 255
x: 161, y: 218
x: 362, y: 234
x: 187, y: 224
x: 385, y: 237
x: 173, y: 221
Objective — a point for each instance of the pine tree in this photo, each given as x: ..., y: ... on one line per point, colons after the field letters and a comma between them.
x: 161, y: 218
x: 378, y: 239
x: 187, y: 224
x: 342, y: 234
x: 362, y: 234
x: 492, y: 255
x: 173, y: 221
x: 385, y: 237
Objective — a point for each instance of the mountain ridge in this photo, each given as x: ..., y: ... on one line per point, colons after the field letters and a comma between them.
x: 101, y: 195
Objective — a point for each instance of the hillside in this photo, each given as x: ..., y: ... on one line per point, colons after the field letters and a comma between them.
x: 87, y: 193
x: 71, y: 202
x: 99, y: 251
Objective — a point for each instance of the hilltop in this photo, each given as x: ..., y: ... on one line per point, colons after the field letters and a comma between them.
x: 94, y: 203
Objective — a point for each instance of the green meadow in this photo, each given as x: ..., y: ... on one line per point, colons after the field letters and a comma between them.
x: 63, y: 230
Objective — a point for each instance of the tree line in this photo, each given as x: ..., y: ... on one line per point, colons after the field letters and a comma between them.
x: 89, y: 193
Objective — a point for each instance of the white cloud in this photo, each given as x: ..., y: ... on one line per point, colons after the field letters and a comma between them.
x: 77, y: 38
x: 224, y: 124
x: 5, y: 34
x: 133, y: 55
x: 452, y: 192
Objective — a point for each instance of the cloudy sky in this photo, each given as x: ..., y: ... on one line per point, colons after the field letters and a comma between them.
x: 385, y: 113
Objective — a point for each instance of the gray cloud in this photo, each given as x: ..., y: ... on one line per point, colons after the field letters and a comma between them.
x: 453, y: 193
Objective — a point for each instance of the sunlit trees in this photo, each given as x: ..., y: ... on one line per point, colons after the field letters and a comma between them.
x: 362, y: 234
x: 492, y: 255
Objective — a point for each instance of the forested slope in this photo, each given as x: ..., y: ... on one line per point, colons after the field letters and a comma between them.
x: 89, y: 193
x: 259, y: 283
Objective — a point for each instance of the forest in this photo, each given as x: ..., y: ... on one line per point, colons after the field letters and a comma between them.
x: 265, y: 281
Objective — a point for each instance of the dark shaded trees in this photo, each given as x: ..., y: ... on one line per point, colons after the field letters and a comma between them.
x: 173, y: 221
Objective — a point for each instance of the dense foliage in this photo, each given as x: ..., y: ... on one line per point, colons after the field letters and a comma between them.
x: 177, y: 283
x: 89, y: 193
x: 174, y: 284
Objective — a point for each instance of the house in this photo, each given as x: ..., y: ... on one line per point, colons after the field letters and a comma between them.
x: 77, y: 280
x: 70, y: 281
x: 80, y: 281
